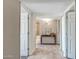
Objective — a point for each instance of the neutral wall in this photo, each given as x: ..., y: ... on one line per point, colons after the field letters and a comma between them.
x: 51, y: 27
x: 58, y: 31
x: 32, y: 34
x: 54, y: 26
x: 11, y: 31
x: 63, y: 38
x: 47, y: 28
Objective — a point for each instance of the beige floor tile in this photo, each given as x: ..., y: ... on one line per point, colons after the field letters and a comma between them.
x: 47, y: 52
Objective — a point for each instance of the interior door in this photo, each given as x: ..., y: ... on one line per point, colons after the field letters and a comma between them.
x: 71, y: 34
x: 24, y: 33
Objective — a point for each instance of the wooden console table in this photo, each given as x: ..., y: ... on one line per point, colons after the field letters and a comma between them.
x: 50, y: 36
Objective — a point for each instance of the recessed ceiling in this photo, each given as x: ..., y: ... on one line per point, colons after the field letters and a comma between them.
x: 48, y: 7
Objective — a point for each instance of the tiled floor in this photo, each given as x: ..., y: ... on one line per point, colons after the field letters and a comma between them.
x: 46, y: 52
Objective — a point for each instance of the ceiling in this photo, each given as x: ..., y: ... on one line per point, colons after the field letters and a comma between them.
x: 44, y: 1
x: 47, y: 8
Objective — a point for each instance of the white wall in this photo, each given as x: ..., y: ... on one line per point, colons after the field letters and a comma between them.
x: 61, y: 34
x: 63, y: 38
x: 11, y: 30
x: 58, y: 31
x: 47, y: 28
x: 54, y: 26
x: 32, y: 34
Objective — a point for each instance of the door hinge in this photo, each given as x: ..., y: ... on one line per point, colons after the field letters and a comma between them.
x: 28, y: 33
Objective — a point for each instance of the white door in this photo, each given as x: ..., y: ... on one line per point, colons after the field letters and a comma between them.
x: 71, y: 35
x: 24, y: 33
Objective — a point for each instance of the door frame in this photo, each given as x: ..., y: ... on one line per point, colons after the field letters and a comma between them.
x: 67, y: 32
x: 20, y: 28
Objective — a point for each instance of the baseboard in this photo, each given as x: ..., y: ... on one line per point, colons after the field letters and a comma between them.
x: 57, y: 44
x: 50, y: 44
x: 69, y: 58
x: 23, y: 57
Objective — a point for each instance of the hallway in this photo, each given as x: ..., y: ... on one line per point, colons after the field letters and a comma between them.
x: 48, y: 21
x: 47, y: 52
x: 56, y: 20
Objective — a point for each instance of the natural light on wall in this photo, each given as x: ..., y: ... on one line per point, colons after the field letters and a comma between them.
x: 46, y: 19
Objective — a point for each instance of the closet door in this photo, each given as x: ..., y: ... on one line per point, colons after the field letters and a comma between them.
x: 71, y: 34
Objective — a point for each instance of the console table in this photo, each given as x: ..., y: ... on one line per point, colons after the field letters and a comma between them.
x: 48, y: 39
